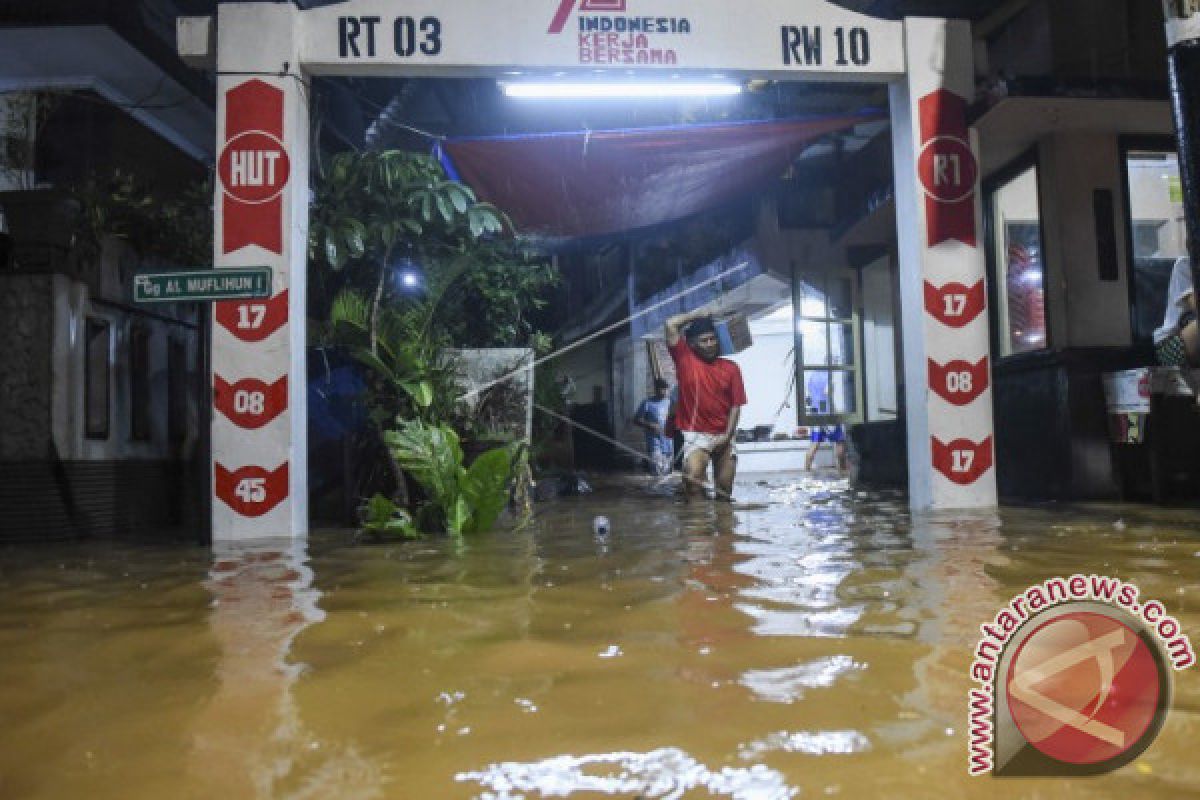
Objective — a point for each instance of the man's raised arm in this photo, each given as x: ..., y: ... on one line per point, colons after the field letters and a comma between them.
x: 674, y: 328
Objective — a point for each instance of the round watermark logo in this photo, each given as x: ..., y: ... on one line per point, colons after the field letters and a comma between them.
x: 1085, y: 688
x: 1074, y: 679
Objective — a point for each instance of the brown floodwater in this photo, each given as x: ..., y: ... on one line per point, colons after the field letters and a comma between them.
x: 813, y: 642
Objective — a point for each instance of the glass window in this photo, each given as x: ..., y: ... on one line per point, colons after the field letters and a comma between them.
x: 817, y: 400
x: 826, y: 334
x: 814, y: 342
x: 841, y: 298
x: 845, y: 393
x: 812, y: 300
x: 1156, y: 232
x: 841, y: 340
x: 1020, y: 267
x: 97, y: 364
x: 139, y: 383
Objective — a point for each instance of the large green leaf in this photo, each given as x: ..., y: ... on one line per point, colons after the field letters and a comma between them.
x: 420, y: 392
x: 369, y: 359
x: 485, y: 487
x: 458, y: 517
x: 445, y: 208
x: 381, y: 515
x: 350, y: 308
x: 432, y: 455
x: 457, y: 196
x: 475, y: 221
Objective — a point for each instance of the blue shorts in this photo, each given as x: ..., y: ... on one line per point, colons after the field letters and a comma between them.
x: 834, y: 433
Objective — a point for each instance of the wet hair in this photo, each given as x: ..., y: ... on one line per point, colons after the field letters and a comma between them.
x: 660, y: 383
x: 701, y: 326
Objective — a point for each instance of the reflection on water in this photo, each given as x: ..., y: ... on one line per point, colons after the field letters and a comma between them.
x: 788, y: 684
x: 814, y: 641
x: 249, y: 739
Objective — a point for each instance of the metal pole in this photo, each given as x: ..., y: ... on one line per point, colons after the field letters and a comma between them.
x: 1183, y: 65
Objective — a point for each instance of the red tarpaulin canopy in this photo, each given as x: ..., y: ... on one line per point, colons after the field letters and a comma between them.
x: 588, y: 183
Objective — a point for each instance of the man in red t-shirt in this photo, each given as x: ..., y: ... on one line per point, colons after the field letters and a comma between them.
x: 711, y: 396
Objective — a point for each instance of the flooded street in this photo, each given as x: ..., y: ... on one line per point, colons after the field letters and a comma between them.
x: 812, y: 642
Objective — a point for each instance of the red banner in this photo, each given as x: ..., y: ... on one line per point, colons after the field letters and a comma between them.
x: 252, y: 320
x: 959, y: 382
x: 250, y: 403
x: 955, y: 305
x: 251, y: 491
x: 962, y: 461
x: 947, y: 169
x: 253, y: 168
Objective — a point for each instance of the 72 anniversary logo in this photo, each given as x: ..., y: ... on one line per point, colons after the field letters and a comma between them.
x: 607, y: 34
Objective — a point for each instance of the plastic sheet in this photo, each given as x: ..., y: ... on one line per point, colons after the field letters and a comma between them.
x: 591, y: 183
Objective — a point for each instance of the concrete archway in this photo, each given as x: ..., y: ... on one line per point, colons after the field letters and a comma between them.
x: 266, y: 53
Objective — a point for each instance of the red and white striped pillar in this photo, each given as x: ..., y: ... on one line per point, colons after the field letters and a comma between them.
x: 259, y: 441
x: 947, y: 367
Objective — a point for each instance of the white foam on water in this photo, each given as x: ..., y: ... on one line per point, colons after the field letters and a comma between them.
x: 664, y: 774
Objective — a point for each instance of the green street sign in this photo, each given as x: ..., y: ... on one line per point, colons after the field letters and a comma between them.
x: 198, y: 286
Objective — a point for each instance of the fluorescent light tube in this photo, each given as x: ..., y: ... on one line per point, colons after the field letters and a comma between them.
x: 556, y: 90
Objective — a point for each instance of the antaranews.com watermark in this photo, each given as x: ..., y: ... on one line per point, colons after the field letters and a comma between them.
x: 1074, y: 678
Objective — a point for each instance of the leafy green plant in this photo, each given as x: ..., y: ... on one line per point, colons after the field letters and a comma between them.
x: 372, y: 212
x: 371, y: 206
x: 381, y: 516
x: 173, y: 226
x: 401, y: 357
x: 499, y: 295
x: 460, y: 500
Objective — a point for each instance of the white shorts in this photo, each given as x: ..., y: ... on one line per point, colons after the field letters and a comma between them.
x: 704, y: 441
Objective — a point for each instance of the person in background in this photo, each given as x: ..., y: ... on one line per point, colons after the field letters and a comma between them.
x: 818, y: 403
x: 652, y: 417
x: 1177, y: 340
x: 711, y: 396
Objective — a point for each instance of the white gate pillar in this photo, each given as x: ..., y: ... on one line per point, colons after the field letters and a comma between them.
x: 259, y: 437
x: 947, y: 369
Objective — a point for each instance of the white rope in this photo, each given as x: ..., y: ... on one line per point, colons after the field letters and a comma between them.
x: 641, y: 456
x: 593, y: 432
x: 599, y: 333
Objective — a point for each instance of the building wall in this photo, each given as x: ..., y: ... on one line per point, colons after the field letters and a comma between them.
x: 1107, y: 38
x: 881, y: 341
x: 1080, y: 39
x: 55, y: 482
x: 630, y: 385
x: 1022, y: 48
x: 73, y: 304
x: 1090, y: 311
x: 1051, y: 433
x: 767, y: 368
x: 509, y: 403
x: 588, y: 369
x: 26, y: 306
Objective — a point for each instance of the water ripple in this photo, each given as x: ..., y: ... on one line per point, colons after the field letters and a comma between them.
x: 663, y: 774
